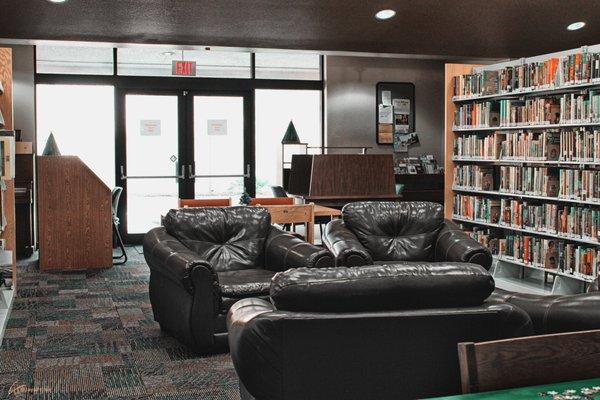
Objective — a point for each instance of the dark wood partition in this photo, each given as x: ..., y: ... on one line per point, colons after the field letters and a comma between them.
x: 75, y: 217
x: 336, y: 179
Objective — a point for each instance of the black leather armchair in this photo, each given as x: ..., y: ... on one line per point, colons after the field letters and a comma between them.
x: 376, y: 332
x: 205, y: 259
x: 379, y: 232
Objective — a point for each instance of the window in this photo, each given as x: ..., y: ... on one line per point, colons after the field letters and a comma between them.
x: 82, y: 120
x: 74, y: 60
x: 288, y: 66
x: 148, y: 61
x: 274, y: 111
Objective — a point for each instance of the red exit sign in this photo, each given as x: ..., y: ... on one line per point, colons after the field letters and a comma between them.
x: 184, y: 68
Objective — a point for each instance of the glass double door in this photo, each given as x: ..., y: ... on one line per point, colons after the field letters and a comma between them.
x: 181, y: 145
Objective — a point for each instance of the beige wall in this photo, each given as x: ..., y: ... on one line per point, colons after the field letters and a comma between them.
x: 351, y: 108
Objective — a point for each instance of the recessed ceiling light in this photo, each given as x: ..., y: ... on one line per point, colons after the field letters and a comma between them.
x: 576, y: 25
x: 385, y: 14
x: 168, y: 53
x: 57, y: 1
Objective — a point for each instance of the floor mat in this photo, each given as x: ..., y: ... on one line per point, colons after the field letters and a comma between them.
x: 92, y: 336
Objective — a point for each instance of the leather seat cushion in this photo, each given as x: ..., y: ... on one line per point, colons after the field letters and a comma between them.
x: 399, y: 286
x: 245, y: 283
x: 393, y: 231
x: 229, y: 238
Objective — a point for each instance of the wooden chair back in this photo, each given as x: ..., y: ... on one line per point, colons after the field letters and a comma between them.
x: 271, y: 201
x: 294, y: 214
x: 529, y: 361
x: 204, y: 203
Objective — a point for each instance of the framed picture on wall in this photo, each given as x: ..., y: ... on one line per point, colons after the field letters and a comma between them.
x: 395, y: 112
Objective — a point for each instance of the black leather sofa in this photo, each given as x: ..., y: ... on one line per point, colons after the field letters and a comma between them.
x: 202, y: 260
x: 380, y: 232
x: 376, y: 332
x: 556, y: 313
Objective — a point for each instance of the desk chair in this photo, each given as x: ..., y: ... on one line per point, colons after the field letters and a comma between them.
x: 279, y: 199
x: 116, y: 196
x: 183, y: 203
x: 279, y: 191
x: 529, y: 361
x: 294, y: 214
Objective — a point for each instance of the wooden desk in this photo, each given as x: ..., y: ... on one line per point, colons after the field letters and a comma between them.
x: 295, y: 214
x: 322, y: 211
x: 527, y: 393
x: 341, y: 201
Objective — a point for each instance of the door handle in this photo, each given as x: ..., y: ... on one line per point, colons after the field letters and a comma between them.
x: 181, y: 176
x: 192, y: 175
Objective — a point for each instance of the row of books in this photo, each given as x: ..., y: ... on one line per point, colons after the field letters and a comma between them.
x: 543, y: 146
x: 572, y: 145
x: 570, y: 184
x: 578, y: 68
x: 518, y: 145
x: 485, y: 147
x: 575, y: 184
x: 7, y: 154
x: 474, y: 177
x: 524, y: 215
x: 476, y: 115
x: 580, y: 145
x: 552, y: 254
x: 567, y: 221
x: 538, y: 111
x: 536, y: 181
x: 580, y: 108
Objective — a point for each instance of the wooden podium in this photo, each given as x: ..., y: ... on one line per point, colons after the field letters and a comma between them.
x: 75, y: 216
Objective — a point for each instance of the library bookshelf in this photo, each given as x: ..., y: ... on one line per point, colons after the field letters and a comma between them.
x: 542, y: 92
x: 7, y: 195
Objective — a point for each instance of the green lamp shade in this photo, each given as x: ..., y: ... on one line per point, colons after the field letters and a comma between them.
x: 51, y: 148
x: 291, y: 136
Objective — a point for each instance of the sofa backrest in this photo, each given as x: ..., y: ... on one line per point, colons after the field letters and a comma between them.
x: 395, y: 231
x: 396, y: 286
x: 229, y: 238
x: 406, y: 354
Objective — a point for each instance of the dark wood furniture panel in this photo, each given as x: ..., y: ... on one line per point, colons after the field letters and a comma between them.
x: 352, y: 175
x: 74, y: 211
x: 422, y: 187
x: 336, y: 179
x: 529, y: 361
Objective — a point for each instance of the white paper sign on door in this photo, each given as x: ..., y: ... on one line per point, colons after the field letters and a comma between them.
x: 150, y: 127
x: 217, y: 127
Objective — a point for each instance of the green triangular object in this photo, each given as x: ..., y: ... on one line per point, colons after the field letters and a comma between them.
x: 291, y: 136
x: 51, y: 148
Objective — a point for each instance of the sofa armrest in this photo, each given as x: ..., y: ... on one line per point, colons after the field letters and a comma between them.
x: 555, y: 313
x: 173, y: 260
x: 453, y: 244
x: 284, y: 250
x: 345, y: 246
x: 255, y: 347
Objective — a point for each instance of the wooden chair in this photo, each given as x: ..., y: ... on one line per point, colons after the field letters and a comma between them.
x: 294, y: 214
x: 529, y: 361
x: 204, y: 203
x: 272, y: 201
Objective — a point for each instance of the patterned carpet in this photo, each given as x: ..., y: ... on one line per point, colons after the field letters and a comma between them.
x: 92, y: 336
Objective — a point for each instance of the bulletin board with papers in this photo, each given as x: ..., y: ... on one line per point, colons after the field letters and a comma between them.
x: 395, y: 113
